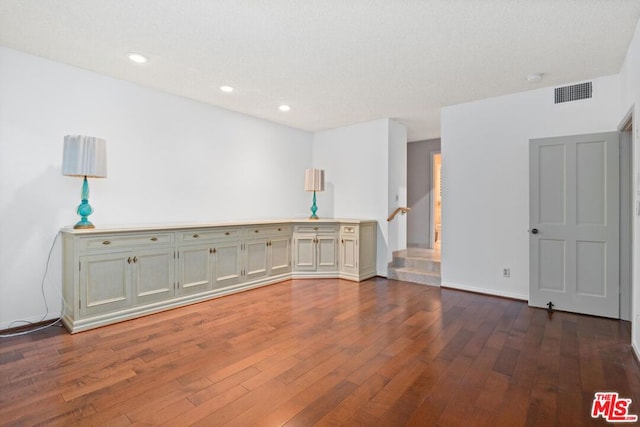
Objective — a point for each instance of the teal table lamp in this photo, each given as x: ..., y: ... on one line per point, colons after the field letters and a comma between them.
x: 84, y: 156
x: 314, y: 181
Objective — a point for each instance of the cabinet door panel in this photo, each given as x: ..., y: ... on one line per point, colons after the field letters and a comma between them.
x: 105, y: 283
x: 327, y: 256
x: 280, y: 251
x: 256, y: 261
x: 305, y: 252
x: 195, y: 270
x: 153, y: 275
x: 228, y: 258
x: 349, y: 255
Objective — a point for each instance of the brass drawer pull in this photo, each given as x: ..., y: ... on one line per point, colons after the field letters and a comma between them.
x: 315, y: 228
x: 129, y: 260
x: 227, y: 234
x: 256, y: 231
x: 154, y: 239
x: 195, y: 236
x: 279, y: 229
x: 106, y: 242
x: 135, y: 259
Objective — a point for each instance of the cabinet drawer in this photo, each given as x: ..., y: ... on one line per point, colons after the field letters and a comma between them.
x: 320, y: 228
x: 261, y: 231
x: 125, y: 240
x: 349, y: 229
x: 195, y: 236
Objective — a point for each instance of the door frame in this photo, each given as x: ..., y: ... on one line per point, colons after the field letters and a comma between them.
x: 626, y: 214
x: 432, y: 205
x: 580, y: 302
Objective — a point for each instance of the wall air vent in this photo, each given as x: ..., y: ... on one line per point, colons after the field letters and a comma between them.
x: 573, y: 92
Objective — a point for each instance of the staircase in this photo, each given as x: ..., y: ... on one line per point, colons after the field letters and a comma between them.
x: 416, y: 265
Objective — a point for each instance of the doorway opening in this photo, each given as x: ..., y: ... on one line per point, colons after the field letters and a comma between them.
x: 436, y: 201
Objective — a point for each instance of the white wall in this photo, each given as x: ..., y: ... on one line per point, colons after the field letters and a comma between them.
x: 359, y: 173
x: 630, y: 99
x: 169, y: 160
x: 397, y: 192
x: 485, y: 159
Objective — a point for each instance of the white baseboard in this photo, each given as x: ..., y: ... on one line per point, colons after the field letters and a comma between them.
x: 485, y: 291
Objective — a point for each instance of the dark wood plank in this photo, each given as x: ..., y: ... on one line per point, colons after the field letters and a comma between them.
x: 327, y: 353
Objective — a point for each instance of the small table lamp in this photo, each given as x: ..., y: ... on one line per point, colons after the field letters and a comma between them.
x: 84, y: 156
x: 314, y: 181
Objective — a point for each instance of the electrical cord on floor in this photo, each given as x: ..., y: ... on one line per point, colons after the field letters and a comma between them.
x: 46, y: 304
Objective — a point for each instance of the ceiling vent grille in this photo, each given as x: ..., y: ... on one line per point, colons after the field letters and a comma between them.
x: 573, y: 92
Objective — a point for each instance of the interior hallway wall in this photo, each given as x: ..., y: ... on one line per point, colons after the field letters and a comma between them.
x: 485, y: 165
x: 630, y: 101
x: 419, y: 183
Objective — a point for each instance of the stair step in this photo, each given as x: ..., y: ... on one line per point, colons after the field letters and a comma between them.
x: 417, y: 263
x: 412, y: 275
x: 418, y: 253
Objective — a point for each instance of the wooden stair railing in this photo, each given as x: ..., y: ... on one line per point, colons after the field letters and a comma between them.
x: 401, y: 210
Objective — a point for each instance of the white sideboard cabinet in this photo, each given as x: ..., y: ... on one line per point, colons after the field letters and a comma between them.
x: 119, y: 273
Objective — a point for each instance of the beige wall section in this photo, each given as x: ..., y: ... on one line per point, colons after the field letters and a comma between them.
x: 419, y: 190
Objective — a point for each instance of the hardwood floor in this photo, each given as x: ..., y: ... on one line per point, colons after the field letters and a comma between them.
x: 326, y: 353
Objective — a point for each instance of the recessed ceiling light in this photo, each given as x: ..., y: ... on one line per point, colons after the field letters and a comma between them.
x: 284, y: 108
x: 226, y: 89
x: 137, y: 58
x: 535, y: 77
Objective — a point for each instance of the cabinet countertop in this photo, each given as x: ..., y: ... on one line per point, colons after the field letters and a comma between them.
x: 194, y: 225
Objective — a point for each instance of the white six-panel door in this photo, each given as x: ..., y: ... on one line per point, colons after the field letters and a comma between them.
x: 574, y: 223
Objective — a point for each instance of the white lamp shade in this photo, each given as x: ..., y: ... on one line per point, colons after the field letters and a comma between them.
x: 84, y: 156
x: 314, y: 180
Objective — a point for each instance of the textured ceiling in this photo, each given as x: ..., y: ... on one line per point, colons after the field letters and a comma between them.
x: 336, y: 62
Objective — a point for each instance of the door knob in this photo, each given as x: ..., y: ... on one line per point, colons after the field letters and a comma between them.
x: 534, y: 231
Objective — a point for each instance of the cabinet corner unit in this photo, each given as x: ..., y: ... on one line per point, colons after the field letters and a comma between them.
x: 346, y: 250
x: 111, y: 275
x: 357, y: 251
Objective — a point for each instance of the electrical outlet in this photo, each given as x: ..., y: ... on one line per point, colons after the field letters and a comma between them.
x: 506, y: 272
